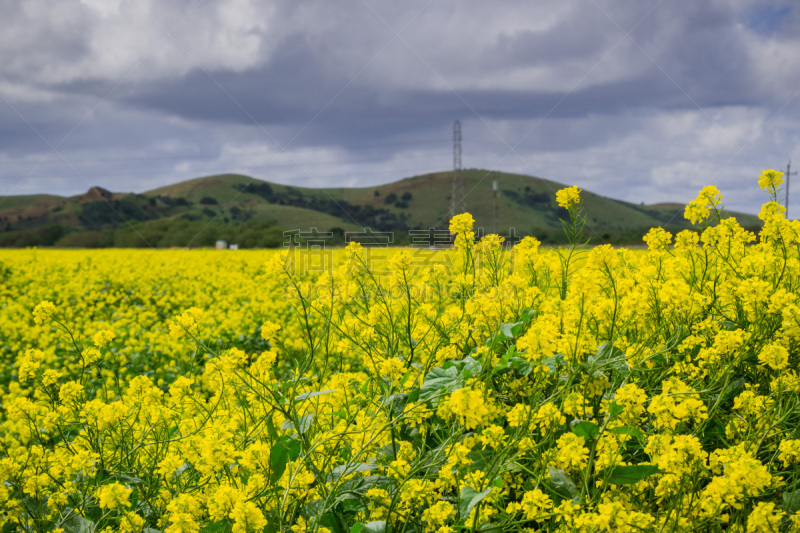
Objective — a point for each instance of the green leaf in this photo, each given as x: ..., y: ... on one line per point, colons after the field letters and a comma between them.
x: 215, y: 527
x: 504, y: 360
x: 398, y: 403
x: 307, y: 395
x: 470, y: 498
x: 344, y: 470
x: 330, y: 521
x: 130, y: 480
x: 510, y: 353
x: 608, y: 351
x: 791, y: 501
x: 554, y: 362
x: 625, y: 430
x: 528, y: 315
x: 627, y: 474
x: 615, y: 409
x: 468, y: 366
x: 411, y: 434
x: 305, y: 423
x: 77, y: 523
x: 562, y: 482
x: 732, y: 390
x: 506, y: 331
x: 439, y: 379
x: 365, y: 386
x: 360, y: 485
x: 413, y: 396
x: 285, y: 450
x: 273, y: 433
x: 357, y: 528
x: 449, y: 377
x: 517, y: 328
x: 479, y: 459
x: 315, y: 508
x: 378, y: 526
x: 523, y: 366
x: 583, y: 428
x: 389, y: 451
x: 509, y: 332
x: 609, y: 356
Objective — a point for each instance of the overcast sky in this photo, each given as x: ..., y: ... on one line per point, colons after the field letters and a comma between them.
x: 645, y: 101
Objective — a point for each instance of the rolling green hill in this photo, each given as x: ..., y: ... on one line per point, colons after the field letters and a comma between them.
x: 255, y: 213
x: 27, y: 200
x: 525, y: 203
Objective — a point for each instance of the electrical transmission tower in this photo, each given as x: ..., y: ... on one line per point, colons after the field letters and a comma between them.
x: 788, y: 176
x: 458, y: 201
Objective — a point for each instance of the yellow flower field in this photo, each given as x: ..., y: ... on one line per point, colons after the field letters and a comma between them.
x: 367, y: 389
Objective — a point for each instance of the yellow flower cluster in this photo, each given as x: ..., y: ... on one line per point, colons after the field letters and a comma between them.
x: 699, y: 209
x: 770, y: 180
x: 482, y: 388
x: 571, y: 452
x: 740, y: 476
x: 112, y: 496
x: 677, y: 404
x: 461, y: 226
x: 568, y: 197
x: 470, y: 406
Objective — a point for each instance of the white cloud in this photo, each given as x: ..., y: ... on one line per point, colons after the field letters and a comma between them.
x: 72, y: 41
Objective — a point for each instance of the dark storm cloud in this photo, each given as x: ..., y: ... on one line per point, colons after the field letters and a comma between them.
x: 291, y: 90
x: 363, y: 112
x: 25, y: 127
x: 706, y: 67
x: 34, y: 37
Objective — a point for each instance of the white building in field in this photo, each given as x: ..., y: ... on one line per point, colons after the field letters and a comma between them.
x: 222, y: 245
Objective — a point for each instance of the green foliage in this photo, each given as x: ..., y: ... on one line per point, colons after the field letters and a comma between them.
x: 110, y: 212
x: 42, y: 236
x: 284, y: 450
x: 199, y: 233
x: 627, y: 474
x: 470, y: 498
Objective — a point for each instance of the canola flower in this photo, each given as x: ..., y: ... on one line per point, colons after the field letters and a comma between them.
x: 482, y: 388
x: 568, y: 197
x: 112, y: 495
x: 770, y: 180
x: 700, y: 209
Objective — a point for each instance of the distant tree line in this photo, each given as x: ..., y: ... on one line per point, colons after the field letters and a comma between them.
x: 401, y: 202
x: 101, y: 213
x: 541, y: 202
x: 162, y: 233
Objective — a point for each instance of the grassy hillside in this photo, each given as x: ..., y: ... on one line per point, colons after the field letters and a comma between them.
x: 26, y: 200
x: 524, y: 203
x: 230, y: 205
x: 221, y: 187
